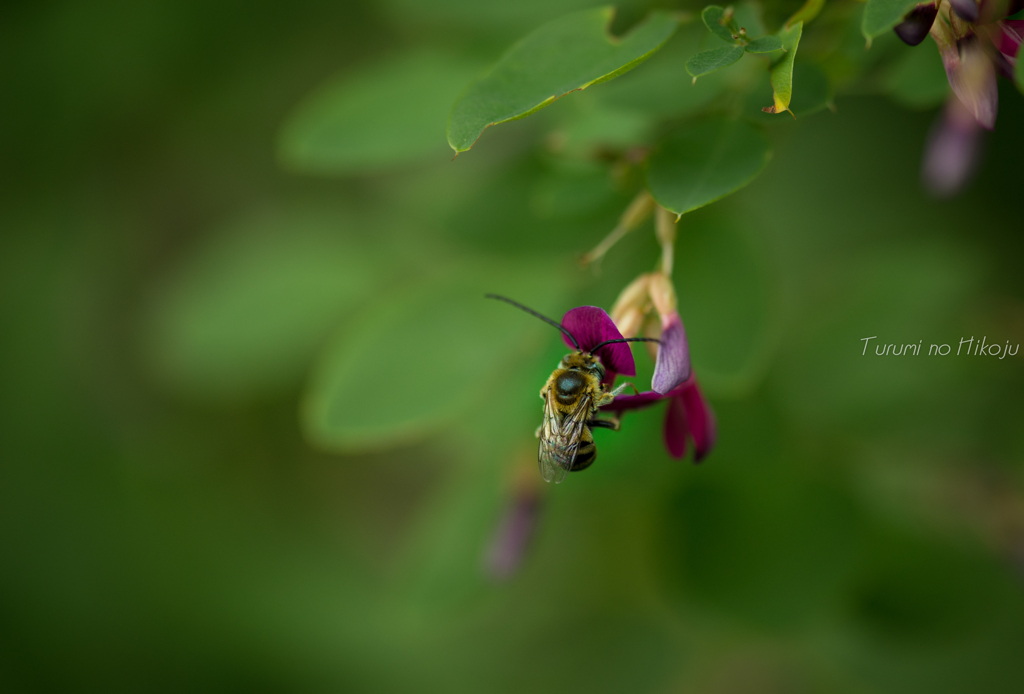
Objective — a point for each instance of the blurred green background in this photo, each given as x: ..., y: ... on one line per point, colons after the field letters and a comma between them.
x: 258, y: 427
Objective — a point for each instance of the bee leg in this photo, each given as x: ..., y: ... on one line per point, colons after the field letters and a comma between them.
x: 621, y: 389
x: 612, y: 424
x: 606, y: 398
x: 537, y: 433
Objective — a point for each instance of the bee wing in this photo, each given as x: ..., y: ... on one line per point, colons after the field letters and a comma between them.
x: 547, y: 451
x: 560, y: 439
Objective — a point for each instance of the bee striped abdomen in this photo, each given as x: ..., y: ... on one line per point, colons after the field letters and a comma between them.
x: 586, y: 453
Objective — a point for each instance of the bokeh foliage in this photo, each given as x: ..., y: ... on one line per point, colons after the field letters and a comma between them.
x: 257, y: 425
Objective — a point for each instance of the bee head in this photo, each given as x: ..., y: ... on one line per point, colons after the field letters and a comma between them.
x: 580, y: 371
x: 583, y: 361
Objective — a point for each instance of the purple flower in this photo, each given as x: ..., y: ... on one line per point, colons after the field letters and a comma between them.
x: 591, y: 326
x: 975, y: 47
x: 688, y: 417
x: 688, y: 414
x: 973, y: 51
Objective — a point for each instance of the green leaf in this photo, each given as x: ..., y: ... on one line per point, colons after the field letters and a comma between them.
x: 705, y: 162
x: 815, y: 93
x: 713, y: 16
x: 247, y: 313
x: 809, y: 11
x: 709, y: 61
x: 747, y: 16
x: 382, y: 115
x: 882, y: 15
x: 659, y: 88
x: 422, y: 357
x: 567, y: 54
x: 765, y: 44
x: 782, y: 70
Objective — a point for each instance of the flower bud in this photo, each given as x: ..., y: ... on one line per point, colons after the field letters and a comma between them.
x: 966, y: 9
x: 916, y: 25
x: 629, y: 321
x: 663, y: 296
x: 652, y: 329
x: 632, y: 306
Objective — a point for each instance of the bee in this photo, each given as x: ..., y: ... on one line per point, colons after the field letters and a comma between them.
x: 572, y: 396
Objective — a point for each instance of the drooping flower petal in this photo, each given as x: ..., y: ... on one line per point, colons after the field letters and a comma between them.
x: 916, y: 25
x: 629, y: 309
x: 952, y: 151
x: 591, y: 326
x: 676, y: 429
x: 967, y: 9
x: 672, y: 367
x: 970, y: 73
x: 701, y: 420
x: 512, y: 539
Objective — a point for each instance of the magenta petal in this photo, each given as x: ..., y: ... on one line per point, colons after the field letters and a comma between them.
x: 675, y: 427
x: 634, y: 402
x: 701, y: 421
x: 1009, y: 38
x: 673, y: 365
x: 591, y: 326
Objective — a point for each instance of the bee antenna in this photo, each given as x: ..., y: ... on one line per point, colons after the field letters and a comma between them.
x: 624, y: 339
x: 558, y: 325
